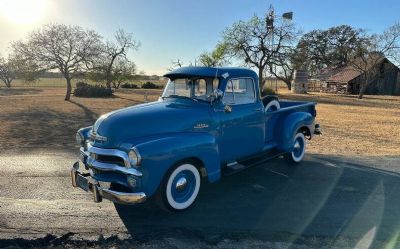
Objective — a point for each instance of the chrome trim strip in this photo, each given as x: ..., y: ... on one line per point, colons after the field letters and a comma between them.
x: 83, y: 152
x: 92, y: 163
x: 111, y: 152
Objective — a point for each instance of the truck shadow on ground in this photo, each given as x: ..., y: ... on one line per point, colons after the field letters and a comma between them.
x: 319, y: 198
x: 46, y: 128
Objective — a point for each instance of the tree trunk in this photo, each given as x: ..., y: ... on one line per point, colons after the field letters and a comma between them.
x: 261, y: 81
x: 69, y: 88
x: 288, y: 84
x: 109, y: 72
x: 8, y: 83
x: 108, y: 83
x: 362, y: 91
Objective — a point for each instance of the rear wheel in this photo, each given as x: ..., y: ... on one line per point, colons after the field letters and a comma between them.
x: 299, y: 149
x: 181, y: 187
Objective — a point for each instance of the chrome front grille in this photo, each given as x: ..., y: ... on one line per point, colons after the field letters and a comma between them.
x: 108, y: 160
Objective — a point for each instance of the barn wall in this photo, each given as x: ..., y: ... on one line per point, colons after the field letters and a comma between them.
x: 386, y: 85
x: 397, y: 87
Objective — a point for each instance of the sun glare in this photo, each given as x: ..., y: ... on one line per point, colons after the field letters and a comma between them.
x: 23, y: 12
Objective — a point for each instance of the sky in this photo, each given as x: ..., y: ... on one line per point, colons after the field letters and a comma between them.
x: 172, y: 29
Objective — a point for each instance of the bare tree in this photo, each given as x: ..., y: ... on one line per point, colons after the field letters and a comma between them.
x: 7, y: 71
x: 175, y: 64
x: 286, y: 63
x: 69, y: 49
x: 251, y: 42
x: 122, y: 71
x: 13, y: 67
x: 216, y: 58
x: 369, y: 56
x: 116, y: 52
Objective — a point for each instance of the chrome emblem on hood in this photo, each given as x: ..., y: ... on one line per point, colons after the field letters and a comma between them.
x: 200, y: 126
x: 96, y: 137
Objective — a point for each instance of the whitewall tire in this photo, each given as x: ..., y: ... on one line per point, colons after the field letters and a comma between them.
x: 299, y: 149
x: 181, y: 188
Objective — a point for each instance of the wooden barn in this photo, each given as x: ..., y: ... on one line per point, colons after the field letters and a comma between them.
x: 348, y: 80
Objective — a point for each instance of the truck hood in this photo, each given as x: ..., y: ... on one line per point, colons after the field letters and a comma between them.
x: 151, y: 119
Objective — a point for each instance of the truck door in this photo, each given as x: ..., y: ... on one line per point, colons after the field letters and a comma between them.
x: 241, y: 120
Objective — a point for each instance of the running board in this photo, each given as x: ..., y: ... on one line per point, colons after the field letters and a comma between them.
x: 235, y: 167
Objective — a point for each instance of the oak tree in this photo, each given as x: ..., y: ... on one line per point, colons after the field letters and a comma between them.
x: 251, y: 42
x: 68, y: 49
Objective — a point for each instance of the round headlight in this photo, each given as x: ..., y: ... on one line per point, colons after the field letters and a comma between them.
x: 79, y: 138
x: 134, y: 156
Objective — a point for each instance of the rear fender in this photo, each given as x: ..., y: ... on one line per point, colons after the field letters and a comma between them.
x: 290, y: 125
x: 160, y: 154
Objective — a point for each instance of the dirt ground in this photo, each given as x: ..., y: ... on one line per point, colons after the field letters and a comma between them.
x: 39, y: 118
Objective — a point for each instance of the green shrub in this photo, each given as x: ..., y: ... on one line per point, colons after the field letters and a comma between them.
x: 80, y: 84
x: 128, y: 85
x: 267, y: 91
x: 150, y: 85
x: 92, y: 91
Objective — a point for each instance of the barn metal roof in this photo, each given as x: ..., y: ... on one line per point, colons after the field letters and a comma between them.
x: 344, y: 75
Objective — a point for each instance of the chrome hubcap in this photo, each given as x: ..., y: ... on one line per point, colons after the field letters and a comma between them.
x: 181, y: 184
x: 297, y: 145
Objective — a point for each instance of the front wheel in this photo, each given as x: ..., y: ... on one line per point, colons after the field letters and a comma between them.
x: 299, y: 149
x: 181, y: 187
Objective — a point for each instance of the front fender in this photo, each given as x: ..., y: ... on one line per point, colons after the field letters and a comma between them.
x: 290, y: 125
x: 160, y: 154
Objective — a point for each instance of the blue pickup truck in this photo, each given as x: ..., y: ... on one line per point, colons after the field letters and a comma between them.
x: 209, y: 122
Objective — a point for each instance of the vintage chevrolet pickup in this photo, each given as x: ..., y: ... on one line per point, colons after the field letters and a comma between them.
x: 208, y: 122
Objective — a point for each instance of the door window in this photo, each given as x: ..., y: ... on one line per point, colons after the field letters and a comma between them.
x: 239, y: 91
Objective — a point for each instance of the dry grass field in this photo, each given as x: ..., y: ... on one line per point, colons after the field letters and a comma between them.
x: 39, y: 118
x: 355, y: 128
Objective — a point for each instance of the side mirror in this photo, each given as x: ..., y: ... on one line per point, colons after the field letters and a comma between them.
x: 216, y: 95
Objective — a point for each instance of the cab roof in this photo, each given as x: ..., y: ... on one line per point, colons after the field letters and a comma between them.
x: 219, y: 72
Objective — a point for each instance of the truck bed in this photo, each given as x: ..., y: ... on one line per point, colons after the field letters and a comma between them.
x: 275, y: 117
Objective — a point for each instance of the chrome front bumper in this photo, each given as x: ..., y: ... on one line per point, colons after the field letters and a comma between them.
x: 88, y: 183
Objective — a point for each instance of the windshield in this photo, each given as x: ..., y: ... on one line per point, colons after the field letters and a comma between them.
x: 194, y: 88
